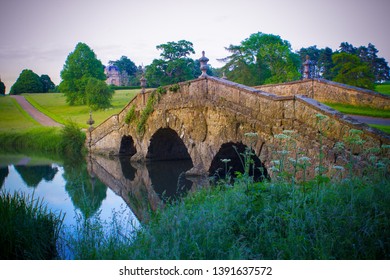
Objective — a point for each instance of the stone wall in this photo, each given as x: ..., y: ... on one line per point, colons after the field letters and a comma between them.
x: 330, y: 92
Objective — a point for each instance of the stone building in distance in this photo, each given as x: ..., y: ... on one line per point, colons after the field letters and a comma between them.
x: 113, y: 75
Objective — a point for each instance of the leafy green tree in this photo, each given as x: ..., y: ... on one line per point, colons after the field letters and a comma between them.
x: 378, y: 65
x: 80, y: 66
x: 262, y: 58
x: 28, y: 82
x: 47, y: 84
x: 174, y: 66
x: 98, y: 94
x: 349, y: 69
x: 2, y: 87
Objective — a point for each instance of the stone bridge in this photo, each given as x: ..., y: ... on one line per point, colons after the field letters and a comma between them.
x: 208, y: 119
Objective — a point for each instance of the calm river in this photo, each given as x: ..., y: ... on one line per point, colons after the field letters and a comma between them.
x: 96, y: 186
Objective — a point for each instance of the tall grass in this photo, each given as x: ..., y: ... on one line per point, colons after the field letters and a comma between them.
x: 68, y: 141
x: 27, y: 229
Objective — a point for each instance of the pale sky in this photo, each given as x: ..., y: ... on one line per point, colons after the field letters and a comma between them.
x: 39, y: 34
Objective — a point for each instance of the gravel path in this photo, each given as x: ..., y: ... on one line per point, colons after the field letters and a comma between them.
x: 37, y: 115
x: 371, y: 120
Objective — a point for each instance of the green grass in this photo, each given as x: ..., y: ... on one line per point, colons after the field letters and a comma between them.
x: 383, y: 88
x: 28, y: 230
x: 358, y: 110
x: 13, y: 117
x: 54, y: 105
x: 384, y: 128
x: 52, y: 141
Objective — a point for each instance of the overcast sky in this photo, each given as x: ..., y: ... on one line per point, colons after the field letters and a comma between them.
x: 39, y: 34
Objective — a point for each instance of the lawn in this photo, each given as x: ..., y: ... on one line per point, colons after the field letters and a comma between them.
x: 383, y: 88
x: 13, y: 117
x: 359, y: 110
x: 55, y: 106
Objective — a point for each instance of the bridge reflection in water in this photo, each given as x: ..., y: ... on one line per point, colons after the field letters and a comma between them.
x: 144, y: 187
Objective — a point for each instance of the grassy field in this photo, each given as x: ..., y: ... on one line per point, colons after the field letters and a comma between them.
x: 383, y: 88
x: 13, y: 117
x: 54, y: 105
x: 358, y: 110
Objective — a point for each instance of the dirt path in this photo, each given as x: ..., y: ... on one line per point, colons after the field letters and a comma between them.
x: 371, y: 120
x: 37, y: 115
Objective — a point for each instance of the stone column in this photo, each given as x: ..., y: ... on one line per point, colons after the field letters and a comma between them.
x: 203, y: 65
x: 307, y: 68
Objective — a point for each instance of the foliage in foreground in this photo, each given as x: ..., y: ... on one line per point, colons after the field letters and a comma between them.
x: 28, y: 230
x: 68, y: 140
x: 339, y: 217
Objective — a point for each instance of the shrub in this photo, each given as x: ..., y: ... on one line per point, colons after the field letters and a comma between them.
x: 72, y: 140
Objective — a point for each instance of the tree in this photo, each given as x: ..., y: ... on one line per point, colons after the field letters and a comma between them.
x: 47, y: 83
x: 261, y: 58
x: 2, y: 87
x: 378, y: 66
x: 27, y: 82
x: 349, y: 69
x: 174, y: 66
x: 98, y: 94
x: 80, y: 66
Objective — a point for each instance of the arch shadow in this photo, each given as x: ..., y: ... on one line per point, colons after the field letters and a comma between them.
x: 234, y: 154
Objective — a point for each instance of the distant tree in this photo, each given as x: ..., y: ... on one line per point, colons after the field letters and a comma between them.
x: 98, y: 94
x: 349, y: 69
x: 174, y: 66
x: 28, y: 82
x: 2, y: 87
x: 47, y: 84
x: 325, y: 64
x: 80, y: 66
x: 378, y: 65
x: 262, y: 58
x: 347, y: 48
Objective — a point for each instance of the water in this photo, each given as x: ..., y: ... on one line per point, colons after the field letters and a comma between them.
x: 97, y: 186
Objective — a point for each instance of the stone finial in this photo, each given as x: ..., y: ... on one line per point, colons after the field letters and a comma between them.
x: 307, y: 65
x: 90, y: 122
x: 203, y: 65
x: 143, y: 83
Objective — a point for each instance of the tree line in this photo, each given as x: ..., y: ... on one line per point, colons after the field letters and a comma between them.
x: 259, y: 59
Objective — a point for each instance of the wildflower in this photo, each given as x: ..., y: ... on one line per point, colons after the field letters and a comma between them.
x: 338, y: 167
x: 288, y: 132
x: 292, y: 160
x: 283, y: 152
x: 281, y: 136
x: 251, y: 134
x: 303, y: 159
x: 320, y: 116
x: 274, y: 169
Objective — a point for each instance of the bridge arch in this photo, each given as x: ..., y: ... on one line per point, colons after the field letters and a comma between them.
x: 233, y: 153
x: 165, y: 144
x: 127, y: 146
